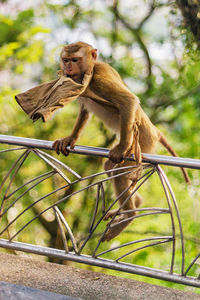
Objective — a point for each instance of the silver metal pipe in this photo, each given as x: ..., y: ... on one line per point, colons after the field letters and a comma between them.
x: 72, y: 238
x: 103, y: 263
x: 177, y: 214
x: 166, y: 191
x: 95, y: 151
x: 168, y: 238
x: 62, y: 231
x: 192, y: 263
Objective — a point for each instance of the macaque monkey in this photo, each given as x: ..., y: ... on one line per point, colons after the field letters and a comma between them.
x: 109, y: 99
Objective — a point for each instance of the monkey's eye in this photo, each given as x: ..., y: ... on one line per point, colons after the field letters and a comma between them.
x: 74, y: 59
x: 66, y: 60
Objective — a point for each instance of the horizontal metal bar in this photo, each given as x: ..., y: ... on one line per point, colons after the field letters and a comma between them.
x: 148, y: 158
x: 27, y: 142
x: 99, y: 262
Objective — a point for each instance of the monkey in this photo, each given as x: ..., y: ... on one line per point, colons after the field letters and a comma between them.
x: 109, y: 98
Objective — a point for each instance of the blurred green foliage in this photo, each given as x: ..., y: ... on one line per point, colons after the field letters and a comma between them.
x: 160, y: 65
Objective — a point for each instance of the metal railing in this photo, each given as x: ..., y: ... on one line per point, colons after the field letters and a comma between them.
x: 97, y: 229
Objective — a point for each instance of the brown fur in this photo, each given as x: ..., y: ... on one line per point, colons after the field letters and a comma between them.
x: 109, y: 99
x: 73, y: 48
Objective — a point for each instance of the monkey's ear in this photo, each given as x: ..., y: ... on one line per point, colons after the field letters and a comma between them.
x: 94, y: 53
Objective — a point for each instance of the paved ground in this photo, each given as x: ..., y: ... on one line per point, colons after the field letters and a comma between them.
x: 76, y: 283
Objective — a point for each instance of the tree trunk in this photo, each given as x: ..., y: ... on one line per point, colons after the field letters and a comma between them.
x: 191, y: 13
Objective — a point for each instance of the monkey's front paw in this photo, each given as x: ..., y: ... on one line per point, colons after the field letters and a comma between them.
x: 116, y: 154
x: 61, y: 145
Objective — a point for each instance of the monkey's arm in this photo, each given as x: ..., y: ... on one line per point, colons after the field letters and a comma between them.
x: 127, y: 119
x: 80, y: 122
x: 61, y: 144
x: 109, y: 86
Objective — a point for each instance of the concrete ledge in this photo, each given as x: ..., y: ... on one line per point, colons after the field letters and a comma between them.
x: 10, y: 291
x: 79, y: 283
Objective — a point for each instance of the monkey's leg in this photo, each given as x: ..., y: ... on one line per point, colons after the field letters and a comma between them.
x: 108, y: 165
x: 137, y: 200
x: 127, y: 202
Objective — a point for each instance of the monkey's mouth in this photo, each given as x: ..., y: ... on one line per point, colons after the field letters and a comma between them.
x: 72, y: 76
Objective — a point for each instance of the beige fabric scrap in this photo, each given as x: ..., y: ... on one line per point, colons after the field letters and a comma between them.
x: 43, y: 100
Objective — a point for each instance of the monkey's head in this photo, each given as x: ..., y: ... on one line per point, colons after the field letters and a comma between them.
x: 77, y: 59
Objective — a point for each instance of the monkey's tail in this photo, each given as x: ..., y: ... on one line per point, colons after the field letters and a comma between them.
x: 165, y: 143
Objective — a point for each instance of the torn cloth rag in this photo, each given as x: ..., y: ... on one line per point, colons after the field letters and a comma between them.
x: 43, y: 100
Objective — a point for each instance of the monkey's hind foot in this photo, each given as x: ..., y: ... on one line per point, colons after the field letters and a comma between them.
x: 117, y: 226
x: 110, y: 214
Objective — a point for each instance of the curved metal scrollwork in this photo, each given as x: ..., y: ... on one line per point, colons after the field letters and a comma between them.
x: 76, y: 249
